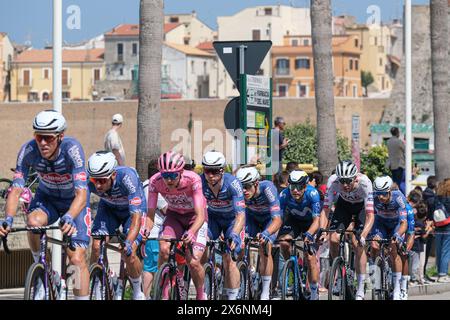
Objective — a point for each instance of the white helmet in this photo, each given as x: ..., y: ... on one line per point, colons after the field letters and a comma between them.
x: 247, y: 175
x: 49, y: 121
x: 213, y: 159
x: 101, y: 164
x: 117, y: 118
x: 346, y: 169
x: 382, y: 184
x: 298, y: 177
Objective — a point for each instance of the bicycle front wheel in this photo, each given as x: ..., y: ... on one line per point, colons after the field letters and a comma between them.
x: 243, y: 285
x: 336, y: 287
x: 380, y: 290
x: 35, y: 283
x: 165, y: 284
x: 290, y: 286
x: 210, y: 285
x: 98, y: 289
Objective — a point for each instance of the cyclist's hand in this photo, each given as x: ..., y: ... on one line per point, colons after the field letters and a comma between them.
x: 308, y: 238
x: 323, y: 237
x: 5, y: 226
x: 234, y: 238
x: 264, y: 237
x: 127, y: 248
x: 145, y: 235
x: 396, y: 238
x: 67, y: 225
x: 188, y: 237
x: 362, y: 241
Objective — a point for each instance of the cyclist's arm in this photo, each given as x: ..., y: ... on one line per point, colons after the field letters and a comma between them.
x: 78, y: 203
x: 151, y: 205
x: 370, y: 217
x: 275, y: 210
x: 199, y: 207
x: 136, y: 201
x: 315, y: 206
x: 238, y: 205
x: 135, y: 226
x: 328, y: 202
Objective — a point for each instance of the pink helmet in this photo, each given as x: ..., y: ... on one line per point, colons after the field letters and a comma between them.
x: 170, y: 162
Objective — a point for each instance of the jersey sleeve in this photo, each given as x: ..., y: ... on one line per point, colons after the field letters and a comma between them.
x: 152, y: 196
x: 402, y: 209
x: 314, y: 197
x: 237, y: 197
x: 410, y: 219
x: 161, y: 203
x: 76, y: 158
x: 135, y: 192
x: 22, y: 165
x: 274, y: 202
x: 330, y: 196
x: 368, y: 200
x: 197, y: 193
x: 284, y: 196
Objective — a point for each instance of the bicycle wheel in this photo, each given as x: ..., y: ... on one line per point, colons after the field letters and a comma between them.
x: 97, y: 289
x: 380, y: 292
x: 210, y: 285
x: 34, y: 283
x: 187, y: 283
x: 4, y: 186
x: 165, y: 278
x: 290, y: 285
x: 337, y: 283
x: 243, y: 284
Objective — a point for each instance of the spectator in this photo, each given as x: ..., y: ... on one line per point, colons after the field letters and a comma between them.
x: 419, y: 189
x: 152, y: 246
x: 292, y: 166
x: 281, y: 181
x: 396, y: 159
x: 441, y: 217
x: 316, y: 180
x: 282, y: 143
x: 422, y: 230
x: 113, y: 143
x: 428, y: 196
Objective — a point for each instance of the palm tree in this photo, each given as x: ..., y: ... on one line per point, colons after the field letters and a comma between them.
x: 151, y: 22
x: 439, y: 62
x: 323, y: 82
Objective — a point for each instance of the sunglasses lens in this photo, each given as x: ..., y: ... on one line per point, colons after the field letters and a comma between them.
x: 47, y: 138
x: 296, y: 187
x: 170, y: 175
x: 247, y: 186
x: 212, y: 171
x: 345, y: 180
x: 99, y: 180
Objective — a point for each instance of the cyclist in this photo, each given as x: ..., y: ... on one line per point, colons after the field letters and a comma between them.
x: 353, y: 192
x: 62, y: 192
x: 122, y: 203
x: 186, y: 216
x: 263, y: 219
x: 300, y: 204
x: 226, y: 213
x: 391, y: 210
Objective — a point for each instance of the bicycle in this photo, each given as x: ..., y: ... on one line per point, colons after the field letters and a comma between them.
x: 40, y: 273
x: 5, y: 184
x: 170, y: 276
x: 294, y: 274
x: 100, y: 275
x: 342, y: 282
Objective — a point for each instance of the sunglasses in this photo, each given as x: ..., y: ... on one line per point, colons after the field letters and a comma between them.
x: 170, y: 175
x: 213, y: 171
x: 298, y: 187
x: 48, y: 138
x: 346, y: 180
x: 99, y: 180
x: 381, y: 193
x: 248, y: 186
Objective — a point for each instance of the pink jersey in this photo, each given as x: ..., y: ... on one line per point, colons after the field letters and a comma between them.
x: 183, y: 199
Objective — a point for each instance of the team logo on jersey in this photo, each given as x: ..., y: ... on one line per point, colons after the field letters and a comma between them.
x: 74, y: 153
x: 18, y: 175
x: 136, y: 201
x: 240, y: 204
x: 129, y: 184
x: 55, y: 177
x: 88, y: 221
x: 275, y: 208
x: 81, y: 176
x: 218, y: 203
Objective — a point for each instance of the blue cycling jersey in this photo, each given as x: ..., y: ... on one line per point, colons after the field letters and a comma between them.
x: 229, y: 200
x: 58, y: 178
x: 266, y: 204
x: 126, y: 193
x: 305, y: 210
x: 396, y: 209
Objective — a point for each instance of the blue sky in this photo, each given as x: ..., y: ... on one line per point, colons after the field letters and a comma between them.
x: 31, y: 20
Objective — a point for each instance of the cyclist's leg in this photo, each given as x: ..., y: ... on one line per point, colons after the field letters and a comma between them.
x: 77, y: 258
x: 313, y: 265
x: 288, y: 231
x: 340, y: 217
x: 396, y: 261
x: 42, y: 213
x: 266, y: 262
x: 361, y: 256
x: 103, y: 224
x: 376, y: 233
x: 232, y: 276
x: 171, y: 229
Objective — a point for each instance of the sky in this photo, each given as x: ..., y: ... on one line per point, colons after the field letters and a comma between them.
x: 31, y: 20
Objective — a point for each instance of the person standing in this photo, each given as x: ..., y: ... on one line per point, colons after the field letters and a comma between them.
x: 428, y: 196
x: 282, y: 142
x: 396, y: 159
x: 113, y: 143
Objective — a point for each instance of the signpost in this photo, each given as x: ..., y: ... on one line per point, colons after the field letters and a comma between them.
x: 355, y: 141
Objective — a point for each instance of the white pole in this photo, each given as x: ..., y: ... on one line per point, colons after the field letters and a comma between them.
x: 57, y: 99
x: 408, y: 82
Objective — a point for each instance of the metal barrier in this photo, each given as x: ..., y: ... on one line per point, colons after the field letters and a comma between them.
x: 14, y: 267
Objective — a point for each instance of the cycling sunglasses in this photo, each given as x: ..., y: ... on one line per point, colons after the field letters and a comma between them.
x: 49, y: 138
x: 170, y: 175
x: 381, y: 193
x: 296, y: 186
x: 99, y: 180
x: 213, y: 171
x: 248, y: 186
x: 346, y: 180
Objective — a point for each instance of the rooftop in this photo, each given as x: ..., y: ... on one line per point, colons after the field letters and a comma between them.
x: 133, y: 29
x: 46, y: 56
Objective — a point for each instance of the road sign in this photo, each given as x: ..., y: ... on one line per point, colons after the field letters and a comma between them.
x: 258, y: 91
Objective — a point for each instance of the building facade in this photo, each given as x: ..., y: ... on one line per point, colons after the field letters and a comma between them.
x: 187, y: 29
x: 293, y: 67
x: 6, y: 57
x: 32, y: 72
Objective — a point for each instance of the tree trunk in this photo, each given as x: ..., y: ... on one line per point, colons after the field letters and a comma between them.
x: 148, y: 145
x: 439, y: 62
x: 323, y: 83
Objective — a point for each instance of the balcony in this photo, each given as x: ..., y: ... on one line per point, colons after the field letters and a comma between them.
x: 283, y: 73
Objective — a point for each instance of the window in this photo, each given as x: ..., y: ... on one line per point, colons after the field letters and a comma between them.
x: 174, y: 19
x: 256, y: 34
x: 205, y: 72
x: 26, y: 77
x: 356, y: 64
x: 46, y: 74
x: 45, y: 96
x: 120, y: 52
x: 268, y: 11
x: 376, y: 41
x: 186, y: 41
x: 306, y: 42
x: 66, y: 95
x: 356, y: 43
x: 351, y: 64
x: 302, y: 63
x: 65, y: 77
x: 303, y: 90
x: 381, y: 62
x: 192, y: 66
x: 96, y: 75
x: 135, y: 49
x: 294, y: 42
x: 282, y: 66
x: 355, y: 90
x: 33, y: 96
x: 121, y: 71
x: 282, y: 90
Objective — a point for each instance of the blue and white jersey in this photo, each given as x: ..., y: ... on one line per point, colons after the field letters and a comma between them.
x: 305, y: 210
x: 266, y: 204
x: 58, y: 178
x: 230, y: 199
x: 126, y: 193
x: 396, y: 209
